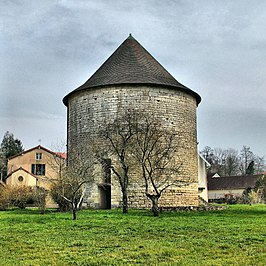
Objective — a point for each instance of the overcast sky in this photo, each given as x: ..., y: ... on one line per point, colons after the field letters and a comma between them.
x: 216, y: 48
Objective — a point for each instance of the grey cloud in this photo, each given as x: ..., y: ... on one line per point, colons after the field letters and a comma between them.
x: 218, y: 48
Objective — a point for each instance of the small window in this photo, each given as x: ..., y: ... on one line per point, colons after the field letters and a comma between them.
x: 20, y: 178
x: 38, y: 156
x: 38, y: 169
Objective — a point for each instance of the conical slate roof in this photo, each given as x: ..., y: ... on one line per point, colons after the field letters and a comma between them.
x: 132, y: 64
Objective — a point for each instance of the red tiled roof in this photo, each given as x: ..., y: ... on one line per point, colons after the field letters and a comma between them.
x: 132, y: 64
x: 232, y: 182
x: 59, y: 154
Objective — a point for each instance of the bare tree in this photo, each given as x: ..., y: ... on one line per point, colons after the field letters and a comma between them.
x: 246, y: 157
x: 229, y: 162
x: 71, y: 182
x: 155, y: 150
x: 207, y: 154
x: 225, y: 162
x: 259, y: 165
x: 117, y: 137
x: 138, y: 143
x: 218, y: 161
x: 58, y: 161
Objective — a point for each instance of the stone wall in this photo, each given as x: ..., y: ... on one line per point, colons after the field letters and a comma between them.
x: 89, y: 110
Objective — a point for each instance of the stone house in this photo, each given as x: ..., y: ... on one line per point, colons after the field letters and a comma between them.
x: 219, y: 186
x: 37, y: 166
x: 131, y: 78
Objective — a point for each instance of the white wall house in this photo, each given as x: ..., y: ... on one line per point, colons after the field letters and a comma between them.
x: 202, y: 177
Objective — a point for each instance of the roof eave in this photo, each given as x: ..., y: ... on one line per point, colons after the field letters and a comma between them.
x: 21, y: 169
x: 182, y: 88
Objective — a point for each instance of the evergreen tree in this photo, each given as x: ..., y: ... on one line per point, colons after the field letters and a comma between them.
x: 250, y: 169
x: 9, y: 147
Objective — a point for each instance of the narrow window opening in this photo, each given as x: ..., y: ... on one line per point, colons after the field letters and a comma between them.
x: 38, y: 156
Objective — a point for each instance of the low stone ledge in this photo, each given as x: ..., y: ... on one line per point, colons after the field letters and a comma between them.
x: 192, y: 208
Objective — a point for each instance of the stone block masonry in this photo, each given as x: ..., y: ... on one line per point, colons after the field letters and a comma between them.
x: 90, y: 109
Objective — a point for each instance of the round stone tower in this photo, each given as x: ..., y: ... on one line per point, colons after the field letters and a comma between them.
x: 132, y: 79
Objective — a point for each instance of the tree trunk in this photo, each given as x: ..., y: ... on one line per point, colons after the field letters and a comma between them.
x: 155, y: 209
x: 74, y: 210
x: 125, y: 202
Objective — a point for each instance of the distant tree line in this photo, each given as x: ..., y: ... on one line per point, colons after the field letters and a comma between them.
x: 231, y: 162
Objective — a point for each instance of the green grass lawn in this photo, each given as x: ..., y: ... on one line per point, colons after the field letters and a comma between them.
x: 235, y: 236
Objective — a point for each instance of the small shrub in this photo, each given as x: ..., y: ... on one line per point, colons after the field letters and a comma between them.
x: 4, y: 199
x: 19, y: 196
x: 245, y: 198
x: 260, y: 188
x: 39, y: 198
x: 231, y: 199
x: 254, y: 197
x: 218, y: 201
x: 56, y: 194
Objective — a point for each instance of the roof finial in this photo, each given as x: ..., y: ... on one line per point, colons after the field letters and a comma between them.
x: 130, y: 36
